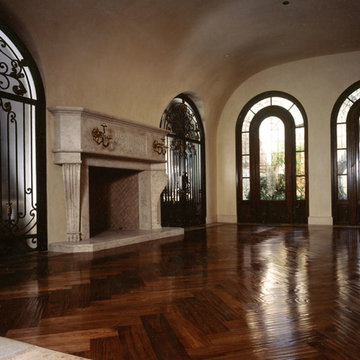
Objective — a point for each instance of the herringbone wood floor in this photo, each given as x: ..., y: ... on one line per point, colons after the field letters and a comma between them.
x: 225, y: 292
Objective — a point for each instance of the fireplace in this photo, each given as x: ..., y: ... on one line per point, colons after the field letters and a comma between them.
x: 113, y: 172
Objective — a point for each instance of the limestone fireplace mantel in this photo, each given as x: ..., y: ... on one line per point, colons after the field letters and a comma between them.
x: 85, y: 138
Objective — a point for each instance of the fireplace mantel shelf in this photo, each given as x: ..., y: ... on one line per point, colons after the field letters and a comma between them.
x: 129, y: 139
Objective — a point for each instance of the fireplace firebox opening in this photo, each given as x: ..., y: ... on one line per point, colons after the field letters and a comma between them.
x: 113, y: 199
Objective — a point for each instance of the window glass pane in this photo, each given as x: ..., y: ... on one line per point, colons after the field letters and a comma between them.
x: 298, y: 118
x: 300, y: 139
x: 343, y: 112
x: 300, y: 163
x: 245, y: 143
x: 245, y: 166
x: 280, y: 101
x: 246, y: 124
x: 342, y: 187
x: 246, y: 188
x: 300, y: 187
x: 260, y: 105
x: 341, y: 136
x: 341, y: 162
x: 272, y: 159
x: 355, y: 95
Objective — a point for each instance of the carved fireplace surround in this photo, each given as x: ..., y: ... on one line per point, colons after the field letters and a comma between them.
x: 85, y: 139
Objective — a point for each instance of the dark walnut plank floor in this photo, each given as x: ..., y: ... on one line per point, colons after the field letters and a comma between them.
x: 225, y: 292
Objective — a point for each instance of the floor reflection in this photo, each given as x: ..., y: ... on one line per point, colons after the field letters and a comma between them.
x: 224, y: 292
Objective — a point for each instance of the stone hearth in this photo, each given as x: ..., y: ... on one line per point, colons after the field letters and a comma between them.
x: 104, y: 160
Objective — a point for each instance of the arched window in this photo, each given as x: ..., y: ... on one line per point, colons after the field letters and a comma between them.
x: 183, y: 199
x: 345, y: 157
x: 271, y: 155
x: 22, y: 148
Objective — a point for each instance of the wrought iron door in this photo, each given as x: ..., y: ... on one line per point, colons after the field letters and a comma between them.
x: 22, y: 154
x: 183, y: 199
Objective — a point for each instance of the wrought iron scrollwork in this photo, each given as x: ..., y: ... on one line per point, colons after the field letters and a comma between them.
x: 6, y: 106
x: 9, y: 209
x: 183, y: 148
x: 19, y: 210
x: 180, y: 119
x: 12, y: 74
x: 160, y: 147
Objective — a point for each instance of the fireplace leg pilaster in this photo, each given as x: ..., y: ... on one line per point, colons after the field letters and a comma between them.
x: 71, y: 175
x: 151, y: 184
x: 158, y: 182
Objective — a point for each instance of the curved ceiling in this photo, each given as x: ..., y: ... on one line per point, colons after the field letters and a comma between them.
x: 223, y: 42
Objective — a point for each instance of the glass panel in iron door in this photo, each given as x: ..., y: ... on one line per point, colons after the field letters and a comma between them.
x: 192, y: 185
x: 171, y: 205
x: 18, y: 179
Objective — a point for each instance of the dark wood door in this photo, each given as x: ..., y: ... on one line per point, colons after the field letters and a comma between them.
x: 346, y: 189
x: 272, y: 159
x: 353, y: 165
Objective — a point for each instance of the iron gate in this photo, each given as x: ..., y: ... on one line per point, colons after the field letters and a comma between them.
x: 21, y: 106
x: 183, y: 199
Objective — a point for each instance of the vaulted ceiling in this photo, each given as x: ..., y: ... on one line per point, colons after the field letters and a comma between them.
x: 213, y: 44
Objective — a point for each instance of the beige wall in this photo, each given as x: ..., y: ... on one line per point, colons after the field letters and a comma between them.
x: 316, y: 83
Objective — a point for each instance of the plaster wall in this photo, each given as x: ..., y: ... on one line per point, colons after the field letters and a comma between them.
x: 316, y: 83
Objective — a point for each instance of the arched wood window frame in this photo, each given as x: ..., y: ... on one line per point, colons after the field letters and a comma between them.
x: 345, y: 157
x: 263, y: 103
x: 23, y: 70
x: 176, y: 210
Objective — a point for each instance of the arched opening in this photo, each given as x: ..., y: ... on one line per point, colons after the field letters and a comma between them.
x: 183, y: 201
x: 345, y: 144
x: 22, y: 148
x: 271, y: 156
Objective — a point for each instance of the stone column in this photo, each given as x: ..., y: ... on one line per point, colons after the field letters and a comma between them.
x: 158, y: 182
x: 144, y: 200
x: 71, y: 175
x: 84, y: 202
x: 151, y: 184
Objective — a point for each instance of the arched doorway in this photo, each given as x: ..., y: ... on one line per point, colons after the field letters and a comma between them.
x: 345, y: 157
x: 22, y: 148
x: 183, y: 201
x: 272, y: 160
